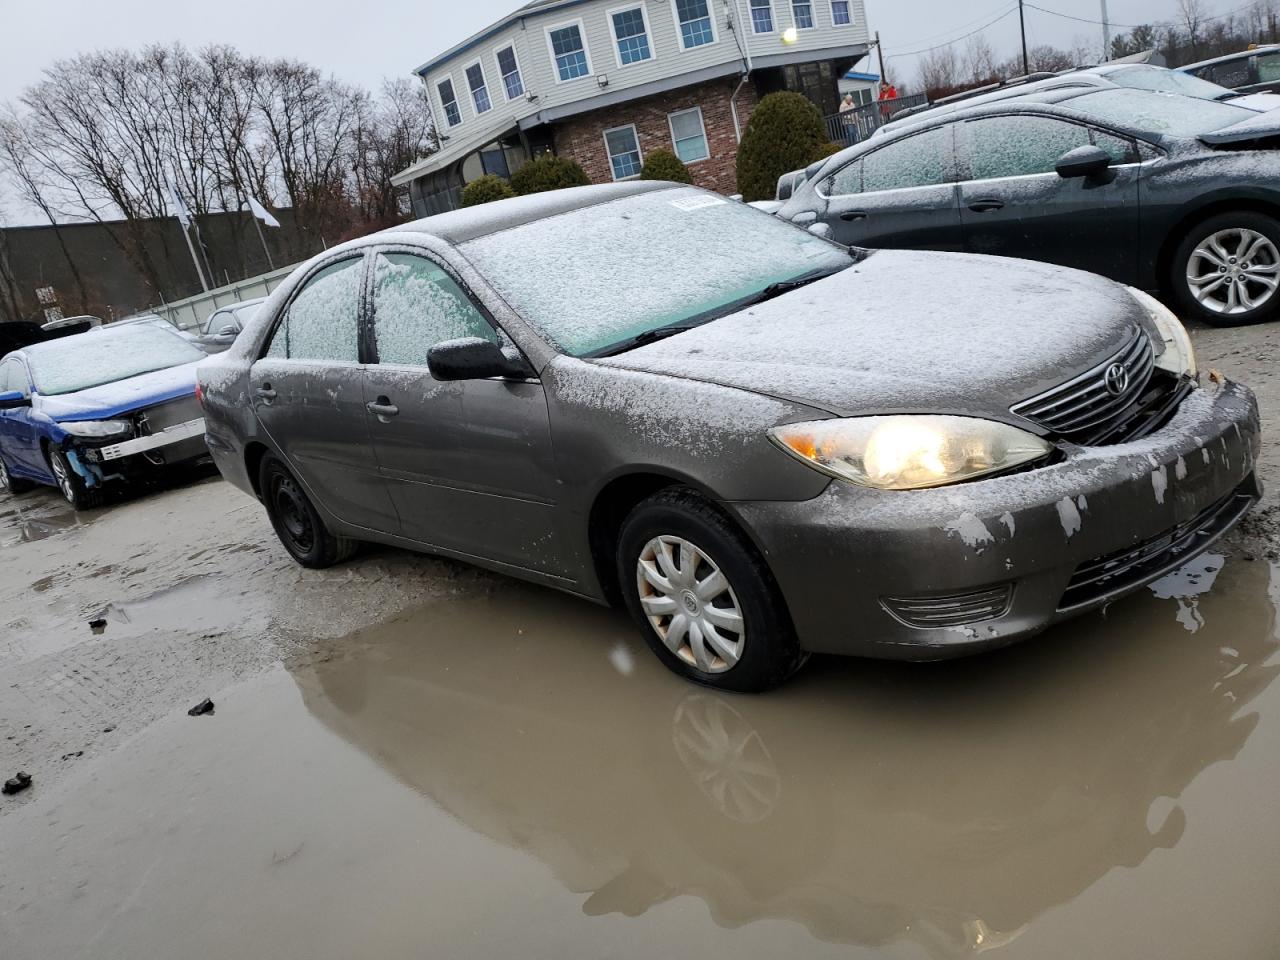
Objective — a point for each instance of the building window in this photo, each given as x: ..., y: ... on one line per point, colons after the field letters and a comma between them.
x: 840, y: 15
x: 694, y: 18
x: 631, y: 33
x: 689, y: 135
x: 802, y: 14
x: 449, y: 101
x: 509, y: 70
x: 624, y: 152
x: 479, y: 91
x: 569, y: 52
x: 762, y: 16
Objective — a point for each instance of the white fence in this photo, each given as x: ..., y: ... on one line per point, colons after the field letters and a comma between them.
x: 190, y: 313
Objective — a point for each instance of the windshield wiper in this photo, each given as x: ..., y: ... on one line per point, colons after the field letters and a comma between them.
x: 786, y: 286
x: 645, y: 338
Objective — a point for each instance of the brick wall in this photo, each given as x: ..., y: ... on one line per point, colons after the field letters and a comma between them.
x: 582, y: 137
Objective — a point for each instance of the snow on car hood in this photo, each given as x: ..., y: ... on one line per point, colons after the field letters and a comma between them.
x: 1263, y: 126
x: 909, y: 332
x: 123, y: 396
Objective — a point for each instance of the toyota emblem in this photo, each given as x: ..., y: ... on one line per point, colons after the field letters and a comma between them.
x: 1117, y: 379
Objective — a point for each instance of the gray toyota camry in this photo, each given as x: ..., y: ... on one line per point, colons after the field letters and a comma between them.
x: 762, y: 443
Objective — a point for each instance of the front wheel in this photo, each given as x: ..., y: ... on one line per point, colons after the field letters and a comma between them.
x: 296, y: 521
x: 71, y: 484
x: 703, y: 597
x: 1227, y: 269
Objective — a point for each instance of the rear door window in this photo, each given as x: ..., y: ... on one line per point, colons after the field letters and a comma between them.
x: 923, y: 160
x: 416, y: 304
x: 322, y: 322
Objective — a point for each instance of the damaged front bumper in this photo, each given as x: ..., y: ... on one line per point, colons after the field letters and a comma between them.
x: 102, y: 461
x: 935, y: 573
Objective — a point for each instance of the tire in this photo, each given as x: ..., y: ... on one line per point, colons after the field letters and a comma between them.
x: 677, y: 527
x: 10, y: 483
x: 69, y: 483
x: 296, y: 521
x: 1241, y: 248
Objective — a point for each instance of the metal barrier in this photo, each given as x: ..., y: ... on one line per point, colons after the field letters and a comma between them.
x: 857, y: 124
x: 191, y: 313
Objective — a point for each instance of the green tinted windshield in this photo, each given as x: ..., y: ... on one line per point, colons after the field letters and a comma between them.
x: 106, y: 356
x: 1158, y: 113
x: 598, y: 276
x: 1142, y: 77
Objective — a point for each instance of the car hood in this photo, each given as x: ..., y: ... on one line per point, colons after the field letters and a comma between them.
x: 909, y: 332
x: 1256, y: 101
x: 1260, y: 127
x: 123, y: 396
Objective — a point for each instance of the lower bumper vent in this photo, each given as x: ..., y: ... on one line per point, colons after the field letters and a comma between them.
x: 953, y: 609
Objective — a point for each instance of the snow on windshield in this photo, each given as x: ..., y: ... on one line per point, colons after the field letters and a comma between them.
x: 1145, y: 77
x: 106, y: 356
x: 595, y: 277
x: 1159, y: 112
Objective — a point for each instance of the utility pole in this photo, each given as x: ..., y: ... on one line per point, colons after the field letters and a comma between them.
x: 880, y: 54
x: 1106, y: 34
x: 1022, y: 23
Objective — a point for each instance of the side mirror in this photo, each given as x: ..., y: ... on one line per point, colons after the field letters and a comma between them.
x: 822, y: 230
x: 14, y: 400
x: 1083, y: 162
x: 474, y: 358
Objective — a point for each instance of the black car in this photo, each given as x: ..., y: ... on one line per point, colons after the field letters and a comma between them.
x: 1167, y: 193
x: 1249, y: 71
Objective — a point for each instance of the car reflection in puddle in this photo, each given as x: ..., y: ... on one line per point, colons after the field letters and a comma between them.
x: 948, y: 805
x: 35, y: 517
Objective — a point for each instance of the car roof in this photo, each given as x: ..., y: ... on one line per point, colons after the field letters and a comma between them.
x: 1078, y: 81
x: 98, y: 334
x: 1225, y: 58
x: 468, y: 223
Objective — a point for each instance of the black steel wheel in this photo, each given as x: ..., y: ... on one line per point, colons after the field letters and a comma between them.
x: 296, y: 522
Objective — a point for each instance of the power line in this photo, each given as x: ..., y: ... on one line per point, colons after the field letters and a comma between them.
x: 1132, y: 26
x: 964, y: 25
x: 911, y: 53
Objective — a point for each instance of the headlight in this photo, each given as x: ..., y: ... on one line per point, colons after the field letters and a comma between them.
x: 1179, y: 357
x: 96, y: 429
x: 909, y: 452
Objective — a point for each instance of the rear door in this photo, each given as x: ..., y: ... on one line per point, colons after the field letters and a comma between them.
x: 902, y: 195
x: 1014, y: 204
x: 469, y: 464
x: 19, y: 439
x: 308, y: 393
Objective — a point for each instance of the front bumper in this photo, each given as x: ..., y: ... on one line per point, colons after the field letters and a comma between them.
x: 860, y: 568
x: 165, y: 438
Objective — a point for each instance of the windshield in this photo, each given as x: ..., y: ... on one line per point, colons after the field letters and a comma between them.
x: 597, y: 277
x: 106, y: 356
x: 1159, y: 113
x: 1168, y: 81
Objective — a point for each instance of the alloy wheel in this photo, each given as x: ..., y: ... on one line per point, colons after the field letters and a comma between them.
x: 4, y: 477
x: 690, y: 604
x: 1234, y: 271
x: 63, y: 477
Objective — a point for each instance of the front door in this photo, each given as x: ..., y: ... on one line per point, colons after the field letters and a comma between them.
x: 19, y: 440
x: 308, y: 394
x: 901, y: 196
x: 469, y: 464
x: 1014, y: 204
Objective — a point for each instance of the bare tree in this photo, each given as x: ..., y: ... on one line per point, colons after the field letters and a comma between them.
x: 1192, y: 15
x: 940, y: 71
x: 394, y: 133
x: 979, y: 61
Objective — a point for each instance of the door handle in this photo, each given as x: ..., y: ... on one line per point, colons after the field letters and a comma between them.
x: 266, y: 393
x: 383, y: 409
x: 853, y: 215
x: 986, y: 205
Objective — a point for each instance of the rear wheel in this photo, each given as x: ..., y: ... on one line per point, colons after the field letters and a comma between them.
x: 704, y: 599
x: 77, y: 493
x: 296, y: 521
x: 1227, y: 269
x: 10, y: 484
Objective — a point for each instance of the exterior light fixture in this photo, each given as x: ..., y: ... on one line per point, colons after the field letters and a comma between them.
x: 603, y: 80
x: 789, y: 35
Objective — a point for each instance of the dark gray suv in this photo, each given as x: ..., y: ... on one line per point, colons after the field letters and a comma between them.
x: 761, y: 442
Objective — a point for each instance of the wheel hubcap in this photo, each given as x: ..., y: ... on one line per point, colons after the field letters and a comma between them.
x: 690, y: 604
x: 1234, y: 271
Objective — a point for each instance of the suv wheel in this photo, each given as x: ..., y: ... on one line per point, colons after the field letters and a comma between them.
x: 296, y: 521
x: 1227, y: 270
x: 704, y: 599
x: 72, y: 486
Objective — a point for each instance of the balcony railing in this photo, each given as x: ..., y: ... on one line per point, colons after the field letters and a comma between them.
x: 861, y: 122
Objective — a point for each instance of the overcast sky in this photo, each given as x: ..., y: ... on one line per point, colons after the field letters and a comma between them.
x: 364, y: 42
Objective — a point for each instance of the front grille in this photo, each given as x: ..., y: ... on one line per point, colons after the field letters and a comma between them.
x: 170, y: 414
x: 1133, y: 566
x: 1085, y: 410
x: 952, y: 610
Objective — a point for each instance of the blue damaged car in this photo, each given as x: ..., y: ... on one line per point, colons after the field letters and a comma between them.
x: 99, y: 408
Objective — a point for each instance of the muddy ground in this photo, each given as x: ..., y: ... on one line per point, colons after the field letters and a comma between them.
x: 412, y: 758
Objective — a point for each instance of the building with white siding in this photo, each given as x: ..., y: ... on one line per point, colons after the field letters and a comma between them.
x: 607, y: 81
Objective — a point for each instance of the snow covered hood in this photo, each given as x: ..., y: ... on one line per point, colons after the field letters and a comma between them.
x: 1261, y: 127
x: 123, y: 396
x: 909, y: 332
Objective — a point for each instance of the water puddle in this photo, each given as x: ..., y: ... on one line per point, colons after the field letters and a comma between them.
x: 37, y: 519
x: 199, y: 605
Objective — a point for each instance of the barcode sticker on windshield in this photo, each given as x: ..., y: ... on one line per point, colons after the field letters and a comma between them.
x: 696, y: 203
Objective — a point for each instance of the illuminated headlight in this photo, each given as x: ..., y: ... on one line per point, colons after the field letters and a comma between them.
x: 1179, y: 357
x: 909, y: 452
x: 97, y: 429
